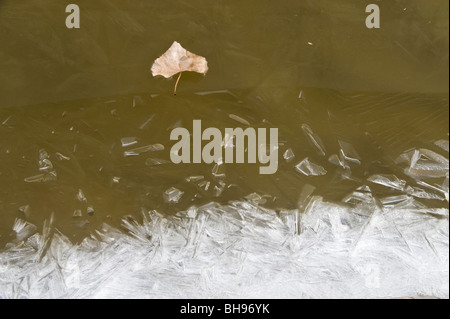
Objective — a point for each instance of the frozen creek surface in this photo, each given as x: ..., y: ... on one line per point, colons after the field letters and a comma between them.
x: 240, y: 250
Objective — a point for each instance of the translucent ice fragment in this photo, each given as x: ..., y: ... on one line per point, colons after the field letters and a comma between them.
x: 83, y: 224
x: 204, y: 185
x: 143, y: 125
x: 439, y: 188
x: 8, y: 120
x: 61, y: 157
x: 421, y: 193
x: 42, y: 177
x: 314, y: 139
x: 390, y: 181
x: 80, y: 196
x: 443, y: 144
x: 222, y: 92
x: 424, y: 163
x: 288, y: 155
x: 137, y: 101
x: 218, y: 170
x: 172, y: 195
x: 23, y: 229
x: 218, y: 189
x: 349, y: 153
x: 90, y: 211
x: 239, y: 119
x: 308, y: 168
x: 25, y: 210
x: 51, y: 176
x: 400, y: 201
x: 256, y: 198
x: 335, y: 160
x: 305, y: 196
x: 116, y: 179
x: 77, y: 213
x: 155, y: 161
x: 143, y: 149
x: 359, y: 197
x: 127, y: 141
x: 43, y: 154
x: 45, y: 165
x: 195, y: 178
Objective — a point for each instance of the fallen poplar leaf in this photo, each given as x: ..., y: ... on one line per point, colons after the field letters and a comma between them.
x: 177, y: 60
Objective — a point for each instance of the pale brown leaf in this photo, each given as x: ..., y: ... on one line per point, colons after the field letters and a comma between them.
x: 177, y: 59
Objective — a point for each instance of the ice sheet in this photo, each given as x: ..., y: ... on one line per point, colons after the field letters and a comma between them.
x: 239, y: 250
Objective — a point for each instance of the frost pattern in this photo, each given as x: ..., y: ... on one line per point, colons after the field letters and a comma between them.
x: 239, y: 250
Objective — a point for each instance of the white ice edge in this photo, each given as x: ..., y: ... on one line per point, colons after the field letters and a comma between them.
x: 242, y: 251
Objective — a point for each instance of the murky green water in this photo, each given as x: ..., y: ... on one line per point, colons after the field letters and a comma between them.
x: 299, y: 66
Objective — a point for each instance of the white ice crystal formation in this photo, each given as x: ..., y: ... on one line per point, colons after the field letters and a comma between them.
x: 241, y: 250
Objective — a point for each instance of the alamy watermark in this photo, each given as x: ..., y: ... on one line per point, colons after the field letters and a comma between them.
x: 227, y: 148
x: 372, y: 20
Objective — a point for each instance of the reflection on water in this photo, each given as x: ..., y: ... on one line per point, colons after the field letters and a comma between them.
x: 85, y: 128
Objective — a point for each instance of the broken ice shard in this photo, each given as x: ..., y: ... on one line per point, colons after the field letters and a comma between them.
x: 421, y: 193
x: 172, y: 195
x: 77, y: 213
x: 314, y: 139
x: 137, y: 101
x: 400, y: 201
x: 23, y: 229
x: 308, y: 168
x: 239, y: 119
x: 25, y: 211
x: 62, y: 157
x: 362, y: 195
x: 144, y: 149
x: 194, y: 178
x: 52, y: 176
x: 46, y: 166
x: 116, y: 179
x: 90, y: 211
x: 442, y: 144
x: 127, y: 141
x: 80, y: 196
x: 334, y: 159
x: 155, y: 161
x: 204, y: 185
x: 218, y: 169
x: 256, y: 198
x: 143, y: 125
x: 349, y: 153
x: 288, y: 155
x: 424, y: 163
x: 390, y: 181
x: 218, y: 190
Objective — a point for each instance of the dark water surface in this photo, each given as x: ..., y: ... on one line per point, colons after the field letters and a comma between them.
x: 312, y: 69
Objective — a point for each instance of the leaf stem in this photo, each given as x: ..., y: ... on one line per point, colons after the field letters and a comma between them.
x: 176, y: 84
